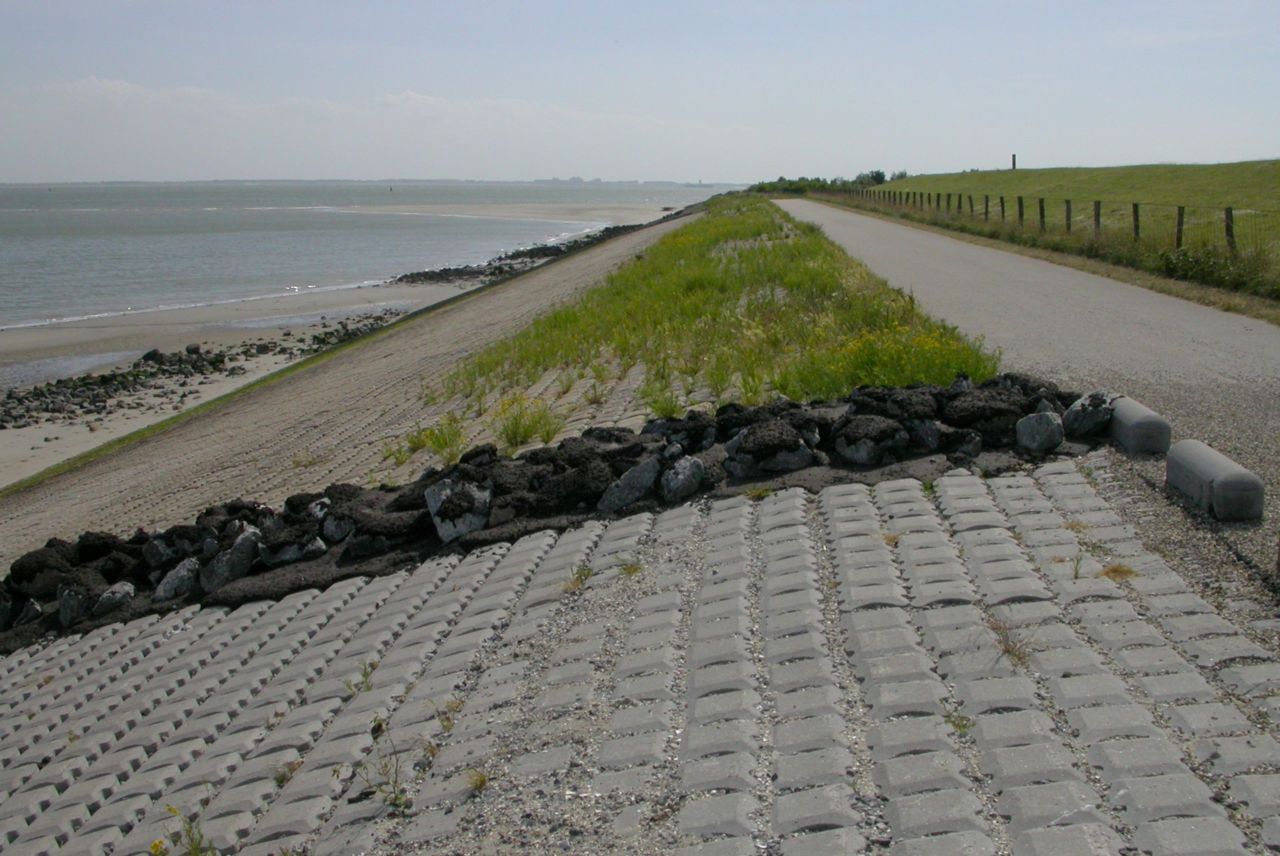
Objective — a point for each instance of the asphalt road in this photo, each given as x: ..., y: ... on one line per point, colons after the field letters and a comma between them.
x: 1214, y: 375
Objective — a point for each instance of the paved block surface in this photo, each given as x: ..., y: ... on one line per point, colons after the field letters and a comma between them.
x: 947, y: 668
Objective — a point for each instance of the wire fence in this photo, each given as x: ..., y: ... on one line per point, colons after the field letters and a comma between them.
x: 1237, y: 248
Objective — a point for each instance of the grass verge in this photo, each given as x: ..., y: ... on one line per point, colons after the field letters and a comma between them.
x: 1240, y: 303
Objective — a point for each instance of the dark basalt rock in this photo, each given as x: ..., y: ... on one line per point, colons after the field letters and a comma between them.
x: 487, y: 496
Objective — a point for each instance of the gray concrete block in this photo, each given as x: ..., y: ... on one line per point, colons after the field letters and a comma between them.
x: 1138, y: 429
x: 1161, y: 797
x: 815, y: 809
x: 1190, y: 836
x: 1214, y: 482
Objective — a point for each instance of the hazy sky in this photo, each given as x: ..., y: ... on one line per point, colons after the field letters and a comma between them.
x: 712, y: 91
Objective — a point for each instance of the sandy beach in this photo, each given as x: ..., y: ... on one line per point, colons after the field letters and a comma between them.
x: 36, y: 354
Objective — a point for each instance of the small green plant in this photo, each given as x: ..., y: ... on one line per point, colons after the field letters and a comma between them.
x: 519, y: 419
x: 285, y: 772
x: 581, y: 574
x: 1077, y: 526
x: 565, y: 381
x: 477, y: 781
x: 445, y: 715
x: 755, y: 494
x: 1117, y: 572
x: 306, y: 460
x: 354, y: 687
x: 445, y: 439
x: 1011, y: 644
x: 631, y: 569
x: 959, y: 723
x: 191, y: 840
x: 928, y: 488
x: 595, y: 394
x: 1075, y: 566
x: 382, y: 775
x: 396, y: 453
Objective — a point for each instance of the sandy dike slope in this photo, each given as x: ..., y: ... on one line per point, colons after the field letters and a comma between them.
x: 320, y: 425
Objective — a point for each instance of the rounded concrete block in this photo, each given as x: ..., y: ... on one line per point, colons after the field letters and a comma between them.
x: 1214, y: 482
x: 1138, y: 429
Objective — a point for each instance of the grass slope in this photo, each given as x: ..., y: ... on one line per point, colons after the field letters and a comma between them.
x: 742, y: 304
x: 1249, y: 184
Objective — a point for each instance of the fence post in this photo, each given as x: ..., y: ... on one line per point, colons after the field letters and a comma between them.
x: 1001, y: 209
x: 970, y: 204
x: 1041, y: 205
x: 948, y: 203
x: 1177, y: 234
x: 1021, y: 218
x: 1097, y: 217
x: 1068, y: 214
x: 1229, y: 220
x: 1136, y: 230
x: 986, y: 206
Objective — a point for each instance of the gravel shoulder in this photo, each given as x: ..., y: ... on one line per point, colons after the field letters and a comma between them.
x: 1214, y: 375
x: 324, y: 424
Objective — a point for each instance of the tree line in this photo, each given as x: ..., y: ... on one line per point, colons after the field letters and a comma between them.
x: 861, y: 181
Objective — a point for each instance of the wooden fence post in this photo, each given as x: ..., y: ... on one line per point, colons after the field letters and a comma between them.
x: 970, y: 204
x: 948, y: 203
x: 1177, y: 234
x: 1021, y: 218
x: 1097, y: 217
x: 1001, y: 209
x: 1136, y: 231
x: 1068, y: 216
x: 1229, y: 220
x: 986, y: 207
x: 1041, y: 205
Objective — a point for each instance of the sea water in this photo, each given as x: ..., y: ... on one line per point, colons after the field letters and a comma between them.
x: 85, y: 250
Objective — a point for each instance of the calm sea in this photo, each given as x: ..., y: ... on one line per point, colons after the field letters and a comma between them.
x: 83, y: 250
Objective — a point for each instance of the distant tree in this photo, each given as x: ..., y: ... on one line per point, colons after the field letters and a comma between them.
x: 899, y: 175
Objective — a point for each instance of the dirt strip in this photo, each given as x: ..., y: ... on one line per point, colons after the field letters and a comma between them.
x: 323, y: 424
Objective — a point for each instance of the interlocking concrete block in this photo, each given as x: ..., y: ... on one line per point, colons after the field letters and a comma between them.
x: 719, y: 815
x: 1180, y: 686
x: 830, y: 841
x: 815, y: 732
x: 1159, y: 797
x: 934, y: 813
x: 1190, y: 836
x: 1259, y: 794
x: 808, y: 702
x: 910, y: 736
x: 815, y: 810
x: 993, y: 695
x: 1086, y: 839
x: 632, y: 751
x: 915, y: 698
x: 1228, y: 756
x: 1095, y: 724
x: 1057, y: 804
x: 1038, y: 764
x: 731, y: 772
x: 1219, y: 650
x: 734, y: 735
x: 1213, y: 482
x: 953, y: 844
x: 912, y: 774
x: 1144, y: 756
x: 1213, y: 719
x: 811, y: 769
x: 1138, y: 429
x: 1019, y: 728
x: 1255, y: 680
x: 1088, y: 691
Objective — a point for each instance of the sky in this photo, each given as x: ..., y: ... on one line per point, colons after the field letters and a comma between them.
x: 739, y: 91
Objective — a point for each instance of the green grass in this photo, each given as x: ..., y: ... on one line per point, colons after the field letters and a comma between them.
x: 744, y: 301
x: 971, y: 202
x: 518, y: 419
x: 1250, y: 184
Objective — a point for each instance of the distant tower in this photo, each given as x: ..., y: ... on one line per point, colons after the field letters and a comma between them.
x: 1015, y: 162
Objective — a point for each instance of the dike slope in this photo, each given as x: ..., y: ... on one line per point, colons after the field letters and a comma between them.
x: 319, y: 425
